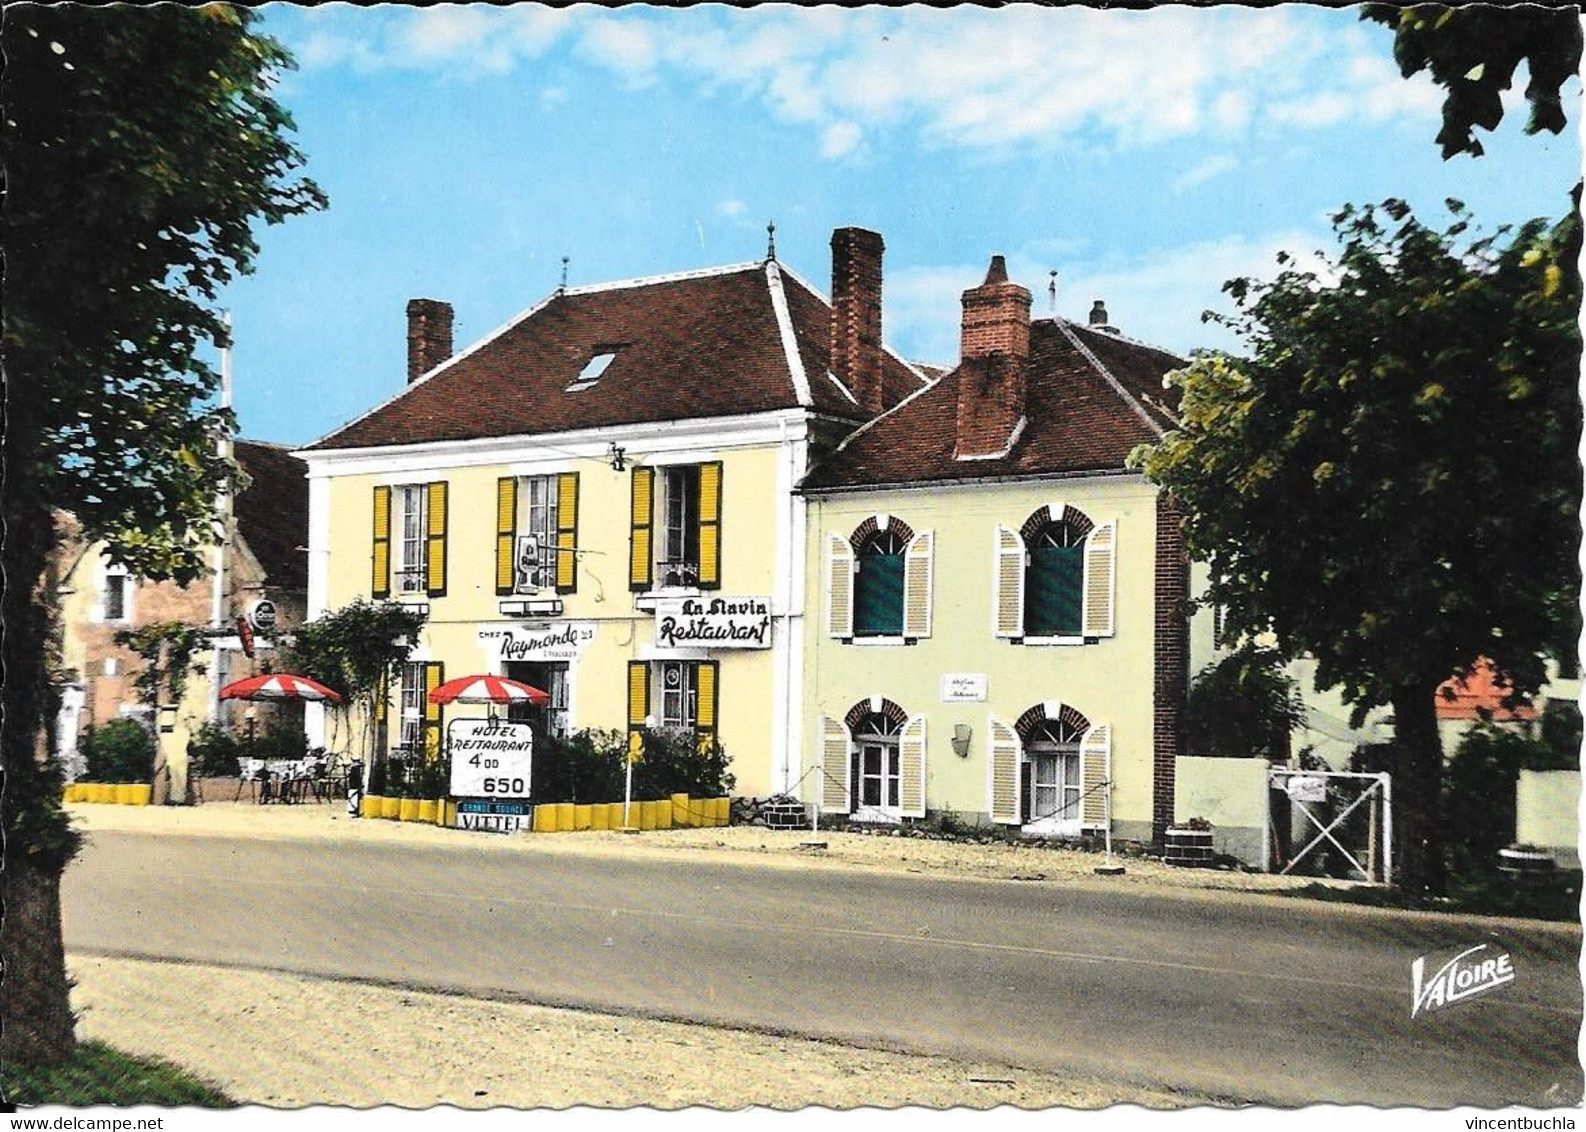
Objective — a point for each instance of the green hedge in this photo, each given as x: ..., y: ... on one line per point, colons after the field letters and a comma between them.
x: 120, y: 751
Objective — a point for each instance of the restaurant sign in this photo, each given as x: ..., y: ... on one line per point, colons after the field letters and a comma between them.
x: 562, y: 641
x: 714, y: 623
x: 490, y: 758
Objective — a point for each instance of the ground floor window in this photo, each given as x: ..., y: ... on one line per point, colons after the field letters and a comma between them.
x: 877, y: 768
x: 678, y: 681
x: 1052, y: 778
x: 411, y: 736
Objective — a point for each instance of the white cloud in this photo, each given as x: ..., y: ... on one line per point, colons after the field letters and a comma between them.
x: 1214, y: 166
x: 840, y: 139
x: 731, y: 209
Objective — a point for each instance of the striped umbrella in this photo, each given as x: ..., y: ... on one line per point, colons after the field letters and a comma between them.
x: 487, y: 690
x: 278, y: 686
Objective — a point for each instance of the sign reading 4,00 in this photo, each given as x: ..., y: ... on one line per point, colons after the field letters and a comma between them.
x: 490, y: 758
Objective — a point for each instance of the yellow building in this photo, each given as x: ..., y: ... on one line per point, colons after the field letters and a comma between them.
x: 599, y: 499
x: 999, y: 631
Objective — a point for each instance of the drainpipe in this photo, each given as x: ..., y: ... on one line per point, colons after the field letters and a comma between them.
x: 217, y: 597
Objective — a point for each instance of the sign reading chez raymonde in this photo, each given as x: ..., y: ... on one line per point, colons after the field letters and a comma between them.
x: 716, y: 623
x: 521, y: 642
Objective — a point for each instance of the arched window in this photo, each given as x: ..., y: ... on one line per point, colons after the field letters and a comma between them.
x: 1052, y: 762
x: 1054, y: 580
x: 878, y: 772
x: 878, y: 584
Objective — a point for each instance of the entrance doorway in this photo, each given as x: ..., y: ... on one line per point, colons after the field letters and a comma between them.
x: 877, y: 773
x: 549, y: 719
x: 1051, y: 753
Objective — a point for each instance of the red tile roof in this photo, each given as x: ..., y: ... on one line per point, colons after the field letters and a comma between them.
x: 1479, y: 696
x: 1083, y: 411
x: 705, y: 344
x: 272, y: 512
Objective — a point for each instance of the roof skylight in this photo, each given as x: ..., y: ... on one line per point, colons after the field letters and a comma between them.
x: 593, y: 368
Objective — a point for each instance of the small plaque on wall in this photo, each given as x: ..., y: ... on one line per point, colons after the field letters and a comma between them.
x: 963, y: 687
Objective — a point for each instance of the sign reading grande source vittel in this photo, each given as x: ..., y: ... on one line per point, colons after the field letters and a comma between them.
x: 562, y: 641
x: 714, y: 622
x: 963, y: 687
x: 491, y: 759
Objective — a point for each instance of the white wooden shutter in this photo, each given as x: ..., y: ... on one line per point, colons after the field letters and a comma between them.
x: 833, y: 759
x: 839, y: 587
x: 911, y: 767
x: 1100, y: 580
x: 1002, y: 772
x: 918, y: 577
x: 1095, y: 768
x: 1007, y: 588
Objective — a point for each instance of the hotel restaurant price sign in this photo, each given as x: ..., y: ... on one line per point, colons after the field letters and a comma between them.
x: 491, y: 759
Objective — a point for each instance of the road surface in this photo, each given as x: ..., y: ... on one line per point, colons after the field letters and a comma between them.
x: 1269, y: 1000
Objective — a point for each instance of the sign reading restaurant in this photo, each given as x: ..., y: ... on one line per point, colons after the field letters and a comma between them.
x: 562, y: 641
x: 714, y: 623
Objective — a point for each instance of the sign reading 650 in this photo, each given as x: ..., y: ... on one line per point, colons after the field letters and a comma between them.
x: 511, y: 787
x: 490, y: 758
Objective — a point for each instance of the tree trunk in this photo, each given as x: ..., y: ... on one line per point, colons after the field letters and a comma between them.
x: 1418, y: 813
x: 36, y: 1024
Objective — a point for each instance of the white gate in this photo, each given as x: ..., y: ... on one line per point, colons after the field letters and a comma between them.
x: 1346, y: 811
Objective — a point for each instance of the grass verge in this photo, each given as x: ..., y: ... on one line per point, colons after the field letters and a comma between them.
x: 99, y: 1075
x: 1477, y: 894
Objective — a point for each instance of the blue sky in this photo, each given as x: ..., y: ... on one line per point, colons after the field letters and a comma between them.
x: 1144, y: 156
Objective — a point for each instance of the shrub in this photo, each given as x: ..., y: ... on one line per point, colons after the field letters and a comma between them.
x: 120, y: 751
x: 588, y: 766
x: 278, y: 741
x: 675, y: 762
x: 213, y: 752
x: 1243, y: 706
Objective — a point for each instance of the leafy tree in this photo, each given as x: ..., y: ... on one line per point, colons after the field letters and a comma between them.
x: 141, y: 144
x: 1472, y: 52
x: 1245, y: 705
x: 355, y: 651
x: 1389, y: 480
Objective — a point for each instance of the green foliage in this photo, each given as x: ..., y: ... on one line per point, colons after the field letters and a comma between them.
x: 1480, y: 781
x: 1244, y: 706
x: 675, y: 762
x: 588, y: 766
x: 166, y: 649
x: 1472, y: 53
x: 213, y: 752
x: 278, y: 740
x: 100, y: 1075
x: 1389, y: 480
x: 120, y: 751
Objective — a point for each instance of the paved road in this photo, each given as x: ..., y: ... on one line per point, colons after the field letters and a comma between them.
x: 1278, y: 1002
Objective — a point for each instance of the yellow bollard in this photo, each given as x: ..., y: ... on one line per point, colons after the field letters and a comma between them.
x: 600, y: 816
x: 408, y: 809
x: 681, y: 818
x: 545, y: 818
x: 650, y: 815
x: 140, y: 795
x: 583, y: 817
x: 564, y: 817
x: 723, y: 813
x: 391, y: 809
x: 446, y: 813
x: 427, y: 810
x: 369, y: 806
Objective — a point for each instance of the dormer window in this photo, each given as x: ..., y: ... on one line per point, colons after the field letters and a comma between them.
x: 593, y: 368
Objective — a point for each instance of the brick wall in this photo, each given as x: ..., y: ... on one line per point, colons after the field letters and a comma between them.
x: 995, y: 349
x: 1171, y: 659
x: 429, y: 335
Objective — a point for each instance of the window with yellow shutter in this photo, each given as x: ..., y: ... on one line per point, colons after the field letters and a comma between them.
x: 683, y: 529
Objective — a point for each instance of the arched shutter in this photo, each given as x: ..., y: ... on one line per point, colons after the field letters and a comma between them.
x: 832, y: 756
x: 435, y: 540
x: 1002, y: 772
x: 1095, y: 768
x: 380, y: 574
x: 839, y: 587
x: 566, y: 532
x: 506, y: 533
x: 911, y: 768
x: 710, y: 526
x: 918, y: 574
x: 1007, y: 601
x: 1100, y: 582
x: 641, y: 554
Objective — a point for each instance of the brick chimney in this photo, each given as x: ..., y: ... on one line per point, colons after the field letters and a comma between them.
x: 995, y: 349
x: 856, y: 314
x: 429, y: 336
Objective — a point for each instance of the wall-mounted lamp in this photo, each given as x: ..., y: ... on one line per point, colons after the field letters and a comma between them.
x: 616, y: 457
x: 962, y: 733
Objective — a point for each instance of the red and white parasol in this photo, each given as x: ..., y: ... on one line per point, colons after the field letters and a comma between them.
x: 487, y: 690
x: 278, y: 686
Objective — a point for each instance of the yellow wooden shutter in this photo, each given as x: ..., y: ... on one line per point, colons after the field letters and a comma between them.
x: 833, y: 759
x: 641, y: 555
x: 566, y: 532
x: 1095, y: 768
x: 380, y: 582
x: 1007, y: 603
x: 911, y: 768
x: 435, y: 540
x: 506, y: 534
x: 707, y: 682
x: 839, y: 587
x: 434, y: 677
x: 638, y: 693
x: 1100, y: 580
x: 1002, y: 771
x: 917, y: 582
x: 710, y: 526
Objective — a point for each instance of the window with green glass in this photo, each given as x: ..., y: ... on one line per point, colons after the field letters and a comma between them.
x: 878, y: 586
x: 1054, y: 581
